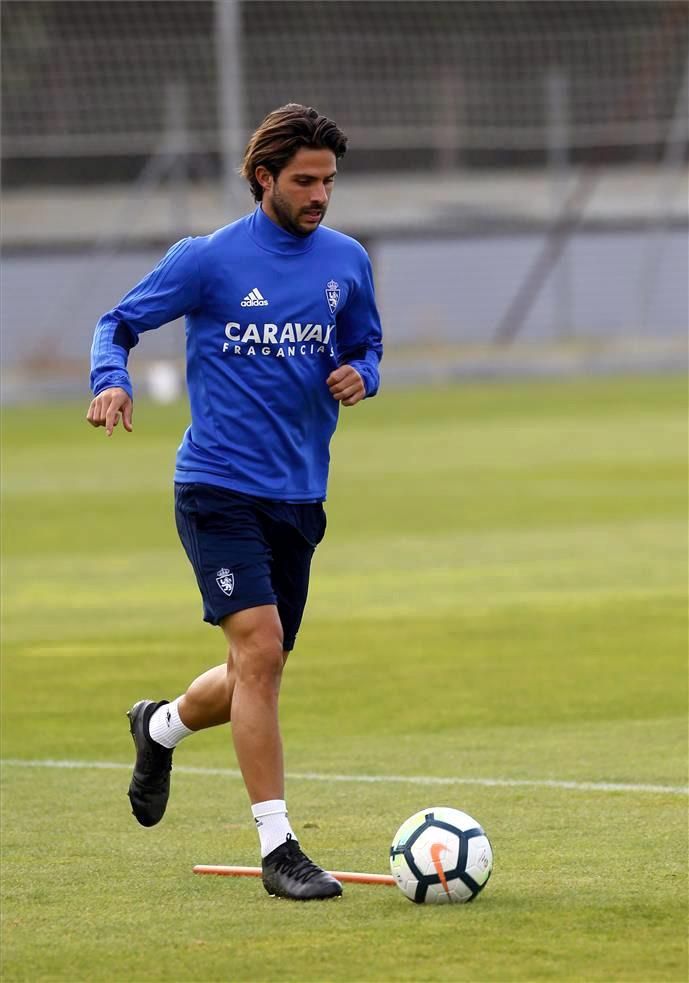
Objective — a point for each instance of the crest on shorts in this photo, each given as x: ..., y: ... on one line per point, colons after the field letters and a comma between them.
x: 332, y: 295
x: 225, y: 581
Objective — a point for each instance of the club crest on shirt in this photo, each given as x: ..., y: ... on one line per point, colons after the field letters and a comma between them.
x: 225, y: 581
x: 332, y: 295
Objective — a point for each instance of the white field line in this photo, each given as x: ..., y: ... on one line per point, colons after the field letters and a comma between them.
x: 315, y: 776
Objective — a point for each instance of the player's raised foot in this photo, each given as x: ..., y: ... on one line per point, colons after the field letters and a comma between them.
x: 149, y: 788
x: 288, y: 873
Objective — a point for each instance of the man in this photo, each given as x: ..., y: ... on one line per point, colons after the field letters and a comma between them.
x: 281, y: 328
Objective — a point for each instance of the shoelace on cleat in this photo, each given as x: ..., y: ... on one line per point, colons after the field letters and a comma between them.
x: 295, y: 863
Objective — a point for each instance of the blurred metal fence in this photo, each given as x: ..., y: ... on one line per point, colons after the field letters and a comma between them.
x: 517, y: 168
x: 461, y: 80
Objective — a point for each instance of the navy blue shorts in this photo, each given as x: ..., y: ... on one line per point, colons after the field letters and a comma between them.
x: 248, y: 551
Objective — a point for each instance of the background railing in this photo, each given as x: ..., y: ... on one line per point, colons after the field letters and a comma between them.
x: 517, y: 169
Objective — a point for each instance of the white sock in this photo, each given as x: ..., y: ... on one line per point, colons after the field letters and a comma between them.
x: 165, y: 726
x: 272, y: 824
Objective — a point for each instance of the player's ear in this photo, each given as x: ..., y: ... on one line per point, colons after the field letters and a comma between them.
x: 264, y: 177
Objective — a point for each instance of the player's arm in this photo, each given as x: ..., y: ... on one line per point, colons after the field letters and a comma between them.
x: 359, y: 344
x: 169, y: 291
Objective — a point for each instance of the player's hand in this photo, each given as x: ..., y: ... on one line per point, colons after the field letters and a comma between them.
x: 346, y: 385
x: 107, y: 408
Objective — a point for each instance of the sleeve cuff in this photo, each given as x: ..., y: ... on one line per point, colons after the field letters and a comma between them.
x: 369, y: 376
x: 119, y: 380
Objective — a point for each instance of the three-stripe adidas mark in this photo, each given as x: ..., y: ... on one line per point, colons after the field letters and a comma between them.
x: 254, y: 299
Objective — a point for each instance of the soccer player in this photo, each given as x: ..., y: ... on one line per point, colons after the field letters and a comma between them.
x: 281, y: 328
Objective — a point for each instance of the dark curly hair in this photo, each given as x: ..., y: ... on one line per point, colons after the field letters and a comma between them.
x: 281, y: 134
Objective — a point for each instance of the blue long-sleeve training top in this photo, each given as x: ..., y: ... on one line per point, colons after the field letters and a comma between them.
x: 269, y: 315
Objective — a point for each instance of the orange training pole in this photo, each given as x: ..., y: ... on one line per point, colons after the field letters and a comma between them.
x: 347, y: 876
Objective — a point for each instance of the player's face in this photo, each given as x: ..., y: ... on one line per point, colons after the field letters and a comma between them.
x: 298, y: 198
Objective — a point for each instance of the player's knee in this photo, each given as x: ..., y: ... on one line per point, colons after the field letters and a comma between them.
x: 258, y: 658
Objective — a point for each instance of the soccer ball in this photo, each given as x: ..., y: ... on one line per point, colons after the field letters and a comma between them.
x: 441, y: 856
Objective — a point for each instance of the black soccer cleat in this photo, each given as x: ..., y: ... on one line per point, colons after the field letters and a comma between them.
x: 149, y: 788
x: 288, y: 873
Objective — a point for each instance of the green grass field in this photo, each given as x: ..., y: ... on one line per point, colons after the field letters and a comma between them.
x: 501, y: 595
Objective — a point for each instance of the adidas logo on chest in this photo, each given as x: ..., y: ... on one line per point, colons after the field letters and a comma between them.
x: 254, y: 299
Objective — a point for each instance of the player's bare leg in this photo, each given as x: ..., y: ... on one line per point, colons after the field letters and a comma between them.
x: 246, y: 690
x: 256, y: 658
x: 157, y: 728
x: 256, y: 661
x: 208, y: 699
